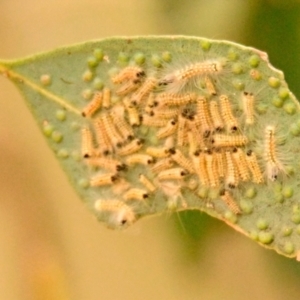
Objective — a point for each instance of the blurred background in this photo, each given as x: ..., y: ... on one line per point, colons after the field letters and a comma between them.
x: 51, y: 247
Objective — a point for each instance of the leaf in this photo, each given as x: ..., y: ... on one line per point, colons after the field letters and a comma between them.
x: 147, y: 125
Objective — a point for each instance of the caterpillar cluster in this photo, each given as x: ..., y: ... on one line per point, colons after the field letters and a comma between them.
x: 198, y: 137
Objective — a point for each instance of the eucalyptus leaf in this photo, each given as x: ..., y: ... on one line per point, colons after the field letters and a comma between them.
x: 147, y: 125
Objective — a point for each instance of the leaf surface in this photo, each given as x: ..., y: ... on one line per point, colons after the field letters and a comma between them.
x: 179, y: 123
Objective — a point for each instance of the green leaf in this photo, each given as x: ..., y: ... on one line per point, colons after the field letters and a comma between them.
x: 134, y: 123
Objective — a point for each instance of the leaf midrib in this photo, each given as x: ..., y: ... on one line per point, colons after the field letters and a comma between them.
x: 14, y: 76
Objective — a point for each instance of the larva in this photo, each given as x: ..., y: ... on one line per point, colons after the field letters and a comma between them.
x: 153, y: 121
x: 254, y: 168
x: 181, y: 160
x: 231, y: 178
x: 114, y: 136
x: 248, y: 107
x: 147, y: 87
x: 162, y: 164
x: 104, y: 144
x: 273, y: 164
x: 133, y: 114
x: 221, y: 165
x: 124, y: 128
x: 147, y: 183
x: 203, y: 116
x: 192, y: 142
x: 131, y: 147
x: 198, y: 138
x: 228, y: 199
x: 129, y: 73
x: 225, y: 140
x: 181, y: 130
x: 135, y: 194
x: 106, y: 100
x: 165, y: 113
x: 172, y: 174
x: 215, y: 116
x: 158, y: 152
x: 241, y: 164
x: 107, y: 164
x: 87, y: 148
x: 128, y: 87
x: 210, y: 86
x: 168, y: 130
x: 93, y: 105
x: 142, y: 159
x: 171, y: 99
x: 181, y: 76
x: 211, y: 167
x: 199, y: 162
x: 227, y: 115
x: 103, y: 179
x: 121, y: 214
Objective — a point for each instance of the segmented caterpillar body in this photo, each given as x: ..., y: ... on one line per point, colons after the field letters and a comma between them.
x: 162, y: 164
x: 124, y: 128
x: 87, y: 148
x: 181, y: 160
x: 212, y: 169
x: 231, y: 178
x: 142, y: 159
x: 181, y: 130
x: 147, y: 183
x: 221, y: 166
x: 178, y: 79
x: 217, y: 121
x: 93, y: 105
x: 225, y: 140
x: 168, y: 130
x: 241, y: 164
x: 165, y: 113
x: 158, y: 152
x: 200, y: 167
x: 106, y: 100
x: 131, y: 147
x: 103, y: 179
x: 133, y: 114
x: 203, y: 116
x: 106, y: 163
x: 129, y: 73
x: 257, y: 176
x: 248, y: 107
x: 273, y: 164
x: 120, y: 214
x: 228, y: 199
x: 172, y: 174
x: 172, y: 99
x: 128, y: 87
x: 104, y: 144
x: 210, y: 86
x: 230, y: 121
x: 147, y: 87
x: 135, y: 194
x: 112, y: 133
